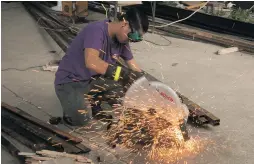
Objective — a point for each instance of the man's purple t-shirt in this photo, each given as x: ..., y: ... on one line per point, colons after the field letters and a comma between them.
x: 94, y: 35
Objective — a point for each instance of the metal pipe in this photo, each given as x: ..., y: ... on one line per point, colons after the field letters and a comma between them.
x: 115, y: 11
x: 53, y: 34
x: 12, y: 149
x: 30, y: 144
x: 153, y: 8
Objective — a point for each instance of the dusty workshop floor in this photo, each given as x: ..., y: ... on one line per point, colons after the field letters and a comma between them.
x: 221, y: 84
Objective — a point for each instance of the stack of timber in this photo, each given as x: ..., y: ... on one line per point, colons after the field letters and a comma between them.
x: 53, y: 157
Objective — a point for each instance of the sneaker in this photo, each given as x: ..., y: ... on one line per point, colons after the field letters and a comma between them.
x: 55, y: 120
x: 60, y: 120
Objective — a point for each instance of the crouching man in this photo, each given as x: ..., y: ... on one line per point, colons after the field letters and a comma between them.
x: 89, y: 66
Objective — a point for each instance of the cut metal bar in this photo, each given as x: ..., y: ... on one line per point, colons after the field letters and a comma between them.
x: 42, y: 124
x: 154, y: 8
x: 115, y: 11
x: 41, y: 14
x: 55, y: 35
x: 197, y: 113
x: 13, y: 150
x: 22, y: 139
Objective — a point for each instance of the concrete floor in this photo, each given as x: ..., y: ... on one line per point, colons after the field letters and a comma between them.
x: 221, y: 84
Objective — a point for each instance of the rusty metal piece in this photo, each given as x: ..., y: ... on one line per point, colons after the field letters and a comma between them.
x: 198, y: 114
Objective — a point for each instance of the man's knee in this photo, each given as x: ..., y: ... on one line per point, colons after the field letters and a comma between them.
x: 79, y: 117
x: 75, y: 109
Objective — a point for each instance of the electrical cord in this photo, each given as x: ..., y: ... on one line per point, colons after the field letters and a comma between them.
x: 157, y: 44
x: 27, y: 101
x: 165, y: 25
x: 105, y: 10
x: 7, y: 69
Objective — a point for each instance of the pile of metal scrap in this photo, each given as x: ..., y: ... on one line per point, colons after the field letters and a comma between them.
x: 52, y: 157
x: 35, y: 134
x: 53, y: 22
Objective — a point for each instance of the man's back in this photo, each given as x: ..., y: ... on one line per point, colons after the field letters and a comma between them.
x: 72, y: 66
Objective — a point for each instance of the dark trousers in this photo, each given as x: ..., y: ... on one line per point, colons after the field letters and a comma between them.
x: 76, y: 98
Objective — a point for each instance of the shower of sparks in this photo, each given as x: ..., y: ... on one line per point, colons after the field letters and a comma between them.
x: 155, y: 135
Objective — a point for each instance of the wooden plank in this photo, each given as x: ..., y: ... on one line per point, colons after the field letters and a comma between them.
x: 36, y: 121
x: 129, y: 3
x: 54, y: 154
x: 227, y: 50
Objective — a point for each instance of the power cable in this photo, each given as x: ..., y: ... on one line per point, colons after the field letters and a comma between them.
x: 157, y: 44
x: 27, y: 101
x: 105, y: 10
x: 165, y: 25
x: 180, y: 20
x: 7, y: 69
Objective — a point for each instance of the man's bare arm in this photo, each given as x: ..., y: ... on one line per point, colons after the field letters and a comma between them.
x: 94, y: 62
x: 133, y: 65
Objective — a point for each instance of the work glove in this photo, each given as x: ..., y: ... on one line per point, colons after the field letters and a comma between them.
x: 117, y: 73
x: 122, y: 74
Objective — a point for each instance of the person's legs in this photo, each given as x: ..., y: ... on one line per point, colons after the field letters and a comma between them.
x: 71, y: 97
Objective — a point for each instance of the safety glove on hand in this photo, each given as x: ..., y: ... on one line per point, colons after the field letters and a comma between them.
x: 117, y: 73
x: 122, y: 74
